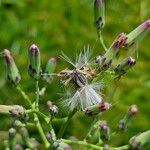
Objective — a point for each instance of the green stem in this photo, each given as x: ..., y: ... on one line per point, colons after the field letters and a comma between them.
x: 37, y: 95
x: 24, y: 95
x: 92, y: 146
x: 40, y: 130
x: 64, y: 126
x: 95, y: 147
x: 101, y: 40
x: 37, y: 123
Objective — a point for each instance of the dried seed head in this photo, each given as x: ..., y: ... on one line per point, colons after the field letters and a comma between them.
x: 99, y: 14
x: 124, y: 66
x: 137, y: 34
x: 50, y: 68
x: 52, y: 108
x: 34, y: 61
x: 12, y: 70
x: 96, y: 109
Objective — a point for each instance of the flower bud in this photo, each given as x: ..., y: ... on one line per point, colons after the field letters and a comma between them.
x: 105, y: 131
x: 12, y: 70
x: 48, y: 136
x: 106, y: 60
x: 137, y: 34
x: 124, y: 66
x: 138, y: 141
x: 50, y: 68
x: 14, y: 110
x: 96, y: 109
x: 12, y: 138
x: 60, y: 145
x: 34, y: 61
x: 123, y: 123
x: 53, y: 109
x: 12, y: 132
x: 99, y: 14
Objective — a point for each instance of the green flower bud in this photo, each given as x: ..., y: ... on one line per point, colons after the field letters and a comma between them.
x: 53, y: 109
x: 106, y: 60
x: 60, y: 145
x: 124, y: 66
x: 50, y: 68
x: 12, y: 70
x: 138, y: 141
x: 34, y: 61
x: 12, y: 138
x: 99, y: 14
x: 14, y: 110
x: 137, y: 34
x: 105, y: 132
x: 123, y: 123
x: 96, y: 109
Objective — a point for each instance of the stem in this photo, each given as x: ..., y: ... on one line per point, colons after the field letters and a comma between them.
x: 38, y: 125
x: 41, y: 132
x: 95, y: 147
x: 37, y: 95
x: 64, y: 126
x: 24, y: 95
x: 101, y: 40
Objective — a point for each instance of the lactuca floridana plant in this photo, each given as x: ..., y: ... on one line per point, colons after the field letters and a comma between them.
x: 85, y: 80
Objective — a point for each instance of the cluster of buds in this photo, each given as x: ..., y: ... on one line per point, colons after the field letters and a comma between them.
x: 60, y: 145
x: 34, y: 61
x: 123, y: 124
x: 125, y: 65
x: 14, y: 110
x: 138, y: 141
x: 50, y: 68
x: 11, y: 68
x: 53, y: 109
x: 96, y: 109
x: 104, y: 132
x: 99, y: 14
x: 122, y: 41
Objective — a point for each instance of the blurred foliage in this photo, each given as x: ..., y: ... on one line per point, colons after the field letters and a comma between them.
x: 67, y: 25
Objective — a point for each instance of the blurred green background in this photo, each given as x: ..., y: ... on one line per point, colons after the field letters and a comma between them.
x: 67, y: 25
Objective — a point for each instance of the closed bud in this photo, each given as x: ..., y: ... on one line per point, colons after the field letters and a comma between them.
x: 96, y: 109
x: 34, y: 61
x: 12, y: 70
x: 14, y: 110
x: 123, y: 123
x: 134, y: 36
x: 50, y: 68
x: 48, y: 136
x: 60, y: 145
x: 124, y: 66
x: 99, y: 14
x: 105, y: 131
x: 12, y: 132
x: 53, y: 109
x: 138, y: 141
